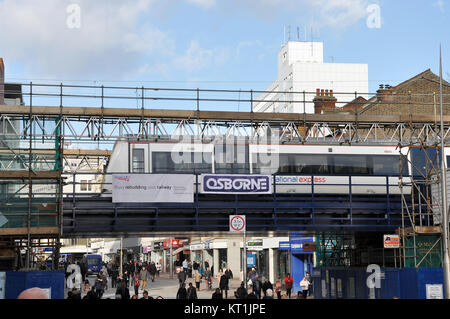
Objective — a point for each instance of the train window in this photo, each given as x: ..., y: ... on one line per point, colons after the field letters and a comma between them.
x: 309, y: 164
x: 138, y: 160
x: 189, y: 162
x: 388, y: 165
x: 231, y: 159
x: 351, y: 164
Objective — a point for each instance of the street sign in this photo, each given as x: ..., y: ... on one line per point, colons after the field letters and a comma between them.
x: 237, y: 223
x: 391, y: 241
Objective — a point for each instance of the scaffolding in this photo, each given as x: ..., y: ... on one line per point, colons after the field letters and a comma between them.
x: 421, y: 232
x: 30, y: 190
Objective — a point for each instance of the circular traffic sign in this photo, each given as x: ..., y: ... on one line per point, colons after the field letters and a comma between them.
x: 237, y: 223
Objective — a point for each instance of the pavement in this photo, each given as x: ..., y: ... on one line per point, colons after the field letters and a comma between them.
x: 167, y: 288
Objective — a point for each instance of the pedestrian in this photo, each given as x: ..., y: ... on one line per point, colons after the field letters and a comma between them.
x: 310, y: 279
x: 219, y: 275
x: 217, y: 294
x: 268, y: 294
x: 198, y: 279
x: 190, y: 269
x: 185, y: 265
x: 288, y: 281
x: 208, y: 276
x: 145, y: 295
x: 251, y: 295
x: 126, y: 277
x: 86, y: 287
x: 134, y: 297
x: 99, y: 286
x: 241, y: 292
x: 91, y: 294
x: 182, y: 292
x: 143, y: 276
x: 267, y: 285
x: 229, y: 273
x: 136, y: 283
x: 114, y: 275
x: 123, y: 290
x: 191, y: 292
x: 74, y: 294
x: 206, y: 264
x: 304, y: 284
x: 153, y: 271
x: 257, y: 287
x: 158, y: 269
x: 278, y: 287
x: 223, y: 285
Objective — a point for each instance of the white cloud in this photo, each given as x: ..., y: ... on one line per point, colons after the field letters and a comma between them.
x: 197, y: 58
x: 336, y: 13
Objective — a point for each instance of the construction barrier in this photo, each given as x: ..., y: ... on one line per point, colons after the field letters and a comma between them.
x: 387, y: 283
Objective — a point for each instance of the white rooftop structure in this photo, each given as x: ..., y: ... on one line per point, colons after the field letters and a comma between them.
x: 301, y: 69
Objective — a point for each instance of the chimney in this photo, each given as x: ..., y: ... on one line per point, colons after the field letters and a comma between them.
x: 2, y: 82
x: 324, y: 101
x: 384, y: 93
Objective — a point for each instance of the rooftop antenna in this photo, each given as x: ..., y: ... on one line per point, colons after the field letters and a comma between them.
x: 298, y: 34
x: 289, y: 33
x: 284, y: 35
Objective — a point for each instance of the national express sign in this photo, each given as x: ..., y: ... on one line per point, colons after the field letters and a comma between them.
x: 236, y: 184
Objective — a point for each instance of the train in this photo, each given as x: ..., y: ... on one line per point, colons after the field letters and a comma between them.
x: 294, y: 168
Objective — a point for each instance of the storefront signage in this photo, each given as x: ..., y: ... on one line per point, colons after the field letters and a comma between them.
x: 391, y: 241
x: 255, y: 244
x: 284, y: 245
x: 175, y: 243
x: 236, y: 184
x: 196, y: 247
x: 153, y: 188
x: 157, y: 245
x: 147, y: 249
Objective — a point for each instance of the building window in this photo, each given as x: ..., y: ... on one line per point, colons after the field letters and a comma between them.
x: 138, y: 160
x: 85, y: 185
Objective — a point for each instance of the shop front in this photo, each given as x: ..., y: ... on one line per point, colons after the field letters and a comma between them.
x: 301, y: 255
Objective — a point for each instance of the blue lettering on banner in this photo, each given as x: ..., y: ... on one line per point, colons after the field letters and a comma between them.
x: 236, y: 184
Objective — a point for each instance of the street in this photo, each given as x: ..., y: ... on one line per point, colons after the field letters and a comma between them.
x: 166, y: 287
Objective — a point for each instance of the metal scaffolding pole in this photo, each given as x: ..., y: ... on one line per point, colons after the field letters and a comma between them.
x: 446, y: 262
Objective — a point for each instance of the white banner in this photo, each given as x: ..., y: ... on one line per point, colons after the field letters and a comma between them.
x: 153, y: 188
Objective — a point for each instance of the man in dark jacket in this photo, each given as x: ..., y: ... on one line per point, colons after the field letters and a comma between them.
x: 229, y: 273
x: 182, y: 292
x: 257, y: 286
x: 123, y: 290
x: 241, y: 292
x: 152, y: 270
x: 223, y: 285
x: 191, y: 292
x: 181, y: 277
x: 266, y: 285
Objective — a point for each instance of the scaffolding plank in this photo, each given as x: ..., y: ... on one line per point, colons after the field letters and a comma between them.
x: 23, y: 231
x: 26, y: 175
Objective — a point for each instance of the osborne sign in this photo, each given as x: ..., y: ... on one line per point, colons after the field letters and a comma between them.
x: 236, y: 184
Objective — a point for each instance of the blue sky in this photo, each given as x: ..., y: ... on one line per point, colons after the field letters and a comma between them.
x: 214, y: 43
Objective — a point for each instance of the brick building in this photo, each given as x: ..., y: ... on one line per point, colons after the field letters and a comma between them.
x: 418, y: 95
